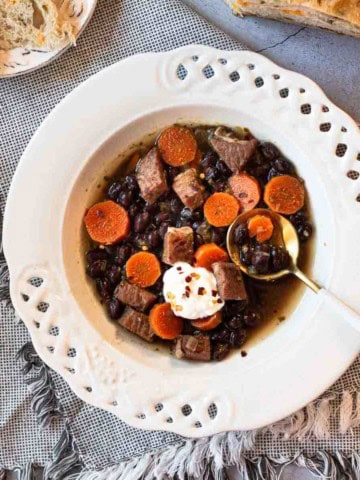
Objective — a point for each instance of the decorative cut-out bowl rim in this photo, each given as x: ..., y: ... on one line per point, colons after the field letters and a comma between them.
x: 79, y: 142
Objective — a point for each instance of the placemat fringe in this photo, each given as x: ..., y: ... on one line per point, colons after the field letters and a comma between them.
x: 324, y: 465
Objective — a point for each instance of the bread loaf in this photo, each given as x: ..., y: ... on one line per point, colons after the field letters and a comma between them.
x: 34, y: 23
x: 342, y: 16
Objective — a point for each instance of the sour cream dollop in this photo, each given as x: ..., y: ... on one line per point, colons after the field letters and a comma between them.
x: 191, y: 292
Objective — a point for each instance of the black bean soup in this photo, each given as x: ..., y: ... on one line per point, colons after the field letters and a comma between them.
x: 167, y: 218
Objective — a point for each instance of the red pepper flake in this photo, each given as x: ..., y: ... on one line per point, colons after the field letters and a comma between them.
x: 188, y: 279
x: 179, y: 269
x: 187, y: 288
x: 201, y: 291
x: 243, y: 353
x: 219, y: 300
x: 214, y: 293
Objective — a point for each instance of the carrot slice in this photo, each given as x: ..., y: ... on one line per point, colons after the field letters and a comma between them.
x: 196, y: 162
x: 284, y: 194
x: 164, y: 323
x: 143, y: 269
x: 246, y: 189
x: 208, y: 323
x: 261, y: 227
x: 177, y: 146
x: 107, y: 222
x: 221, y: 209
x: 208, y: 254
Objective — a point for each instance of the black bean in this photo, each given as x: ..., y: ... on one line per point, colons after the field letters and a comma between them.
x: 97, y: 268
x: 96, y: 254
x: 209, y: 159
x: 223, y: 168
x: 221, y: 335
x: 261, y: 261
x: 241, y: 234
x: 235, y: 322
x: 263, y: 247
x: 122, y: 253
x: 114, y: 274
x: 175, y: 205
x: 131, y: 182
x: 183, y: 223
x: 234, y: 307
x: 237, y: 338
x: 198, y: 240
x: 272, y: 173
x: 251, y: 318
x: 246, y: 252
x: 269, y: 151
x: 196, y: 224
x: 151, y: 208
x: 141, y: 222
x: 279, y: 258
x: 212, y: 174
x: 104, y: 287
x: 114, y: 190
x: 154, y: 239
x: 140, y: 240
x: 220, y: 351
x: 162, y: 217
x: 218, y: 235
x: 163, y: 229
x: 299, y: 217
x: 124, y: 198
x: 186, y: 214
x: 172, y: 172
x: 283, y: 166
x: 114, y: 308
x: 133, y: 210
x: 304, y: 231
x: 219, y: 186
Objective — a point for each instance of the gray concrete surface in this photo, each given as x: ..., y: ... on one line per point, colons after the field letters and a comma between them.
x: 331, y: 60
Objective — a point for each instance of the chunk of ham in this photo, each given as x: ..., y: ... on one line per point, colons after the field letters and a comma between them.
x: 134, y: 296
x: 137, y: 323
x: 229, y: 280
x: 233, y: 151
x: 178, y: 245
x: 189, y: 189
x: 151, y: 176
x: 193, y: 347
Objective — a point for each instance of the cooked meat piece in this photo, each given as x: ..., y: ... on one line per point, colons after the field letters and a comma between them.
x: 151, y: 176
x: 134, y: 296
x: 193, y: 347
x: 234, y: 152
x: 138, y: 323
x: 178, y: 245
x: 229, y: 281
x: 188, y: 187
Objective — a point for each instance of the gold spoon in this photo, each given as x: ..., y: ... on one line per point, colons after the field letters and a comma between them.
x: 285, y: 235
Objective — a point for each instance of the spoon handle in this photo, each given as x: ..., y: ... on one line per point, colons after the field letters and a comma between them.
x: 344, y: 310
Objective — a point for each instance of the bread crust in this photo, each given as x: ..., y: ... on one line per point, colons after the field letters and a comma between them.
x: 342, y: 16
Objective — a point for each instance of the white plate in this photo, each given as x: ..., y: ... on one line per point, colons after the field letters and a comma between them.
x: 57, y: 178
x: 22, y: 60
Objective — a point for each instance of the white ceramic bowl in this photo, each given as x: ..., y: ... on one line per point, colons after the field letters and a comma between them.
x: 58, y: 177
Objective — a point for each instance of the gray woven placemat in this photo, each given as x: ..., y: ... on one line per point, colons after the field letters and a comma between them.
x: 119, y: 29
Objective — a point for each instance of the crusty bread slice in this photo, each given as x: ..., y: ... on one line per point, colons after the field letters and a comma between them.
x: 342, y: 16
x: 34, y: 23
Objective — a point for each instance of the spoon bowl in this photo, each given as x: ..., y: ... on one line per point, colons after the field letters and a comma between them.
x: 284, y: 235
